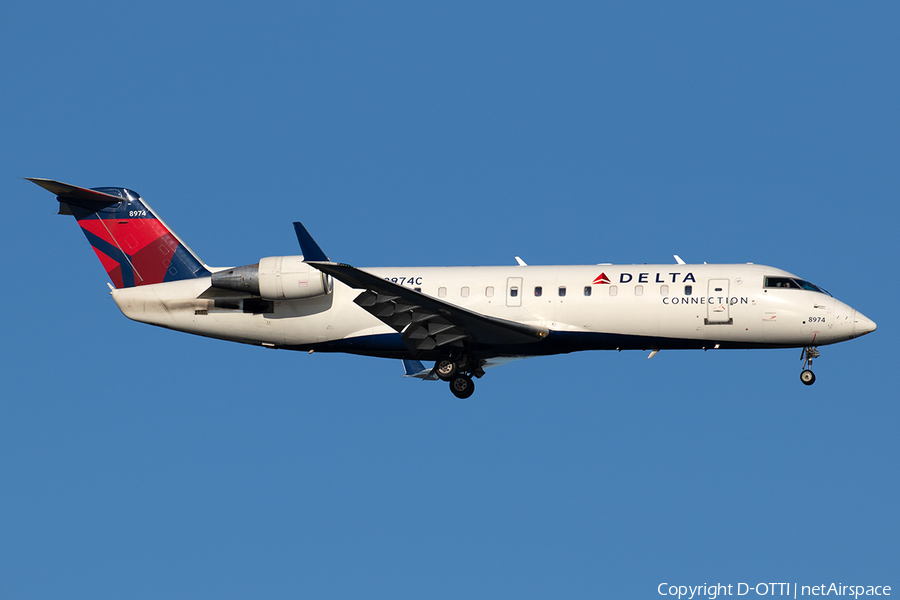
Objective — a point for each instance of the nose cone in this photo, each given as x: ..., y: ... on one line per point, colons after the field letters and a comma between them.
x: 861, y: 324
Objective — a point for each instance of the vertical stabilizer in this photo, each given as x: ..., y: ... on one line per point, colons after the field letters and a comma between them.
x: 134, y: 245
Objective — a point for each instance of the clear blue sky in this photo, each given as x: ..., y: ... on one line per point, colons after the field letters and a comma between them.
x: 137, y: 462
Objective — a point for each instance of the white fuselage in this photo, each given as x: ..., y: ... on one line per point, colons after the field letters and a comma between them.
x: 584, y: 307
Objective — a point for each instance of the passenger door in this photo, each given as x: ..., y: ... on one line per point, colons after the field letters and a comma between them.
x: 718, y: 310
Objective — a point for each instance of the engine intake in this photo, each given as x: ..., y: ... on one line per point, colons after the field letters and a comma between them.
x: 275, y: 278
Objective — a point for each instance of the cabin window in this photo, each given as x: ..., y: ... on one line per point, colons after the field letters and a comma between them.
x: 489, y: 291
x: 513, y: 292
x: 562, y: 291
x: 442, y: 292
x: 638, y: 290
x: 688, y: 290
x: 613, y: 290
x: 464, y: 292
x: 663, y: 290
x: 538, y: 291
x: 587, y: 290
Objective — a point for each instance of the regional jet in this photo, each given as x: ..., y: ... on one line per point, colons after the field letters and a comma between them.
x: 461, y: 319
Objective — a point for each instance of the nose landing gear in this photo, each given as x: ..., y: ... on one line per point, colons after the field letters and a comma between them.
x: 807, y: 356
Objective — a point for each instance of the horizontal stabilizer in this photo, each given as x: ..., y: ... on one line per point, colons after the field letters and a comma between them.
x: 79, y: 196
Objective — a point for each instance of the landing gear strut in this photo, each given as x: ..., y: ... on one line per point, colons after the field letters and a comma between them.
x: 458, y: 371
x: 807, y: 356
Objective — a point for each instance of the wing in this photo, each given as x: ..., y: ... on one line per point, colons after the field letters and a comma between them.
x: 426, y: 323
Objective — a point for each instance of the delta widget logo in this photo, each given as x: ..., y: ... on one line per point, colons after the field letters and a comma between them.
x: 602, y: 278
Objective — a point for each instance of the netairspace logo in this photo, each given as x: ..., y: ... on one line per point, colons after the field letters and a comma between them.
x: 713, y: 591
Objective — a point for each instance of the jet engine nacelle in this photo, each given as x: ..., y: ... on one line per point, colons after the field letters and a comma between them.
x: 275, y: 278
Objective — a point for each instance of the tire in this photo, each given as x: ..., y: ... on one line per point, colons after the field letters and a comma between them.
x: 445, y: 369
x: 808, y: 377
x: 462, y: 386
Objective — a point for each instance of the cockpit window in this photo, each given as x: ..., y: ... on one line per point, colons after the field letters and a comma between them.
x: 793, y: 282
x: 810, y: 286
x: 779, y: 282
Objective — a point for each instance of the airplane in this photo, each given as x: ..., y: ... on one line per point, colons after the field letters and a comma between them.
x: 463, y: 319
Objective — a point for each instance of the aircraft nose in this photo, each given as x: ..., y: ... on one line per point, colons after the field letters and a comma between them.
x: 861, y: 324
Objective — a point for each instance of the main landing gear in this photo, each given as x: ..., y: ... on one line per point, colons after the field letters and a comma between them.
x: 458, y: 371
x: 807, y: 356
x: 462, y: 386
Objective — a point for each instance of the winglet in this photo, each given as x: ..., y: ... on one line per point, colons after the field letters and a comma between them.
x: 308, y: 245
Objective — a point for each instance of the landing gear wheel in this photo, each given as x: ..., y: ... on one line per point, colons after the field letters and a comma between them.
x: 808, y: 377
x: 445, y: 369
x: 462, y: 386
x: 807, y: 356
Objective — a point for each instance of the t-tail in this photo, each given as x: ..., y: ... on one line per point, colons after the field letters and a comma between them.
x: 134, y: 245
